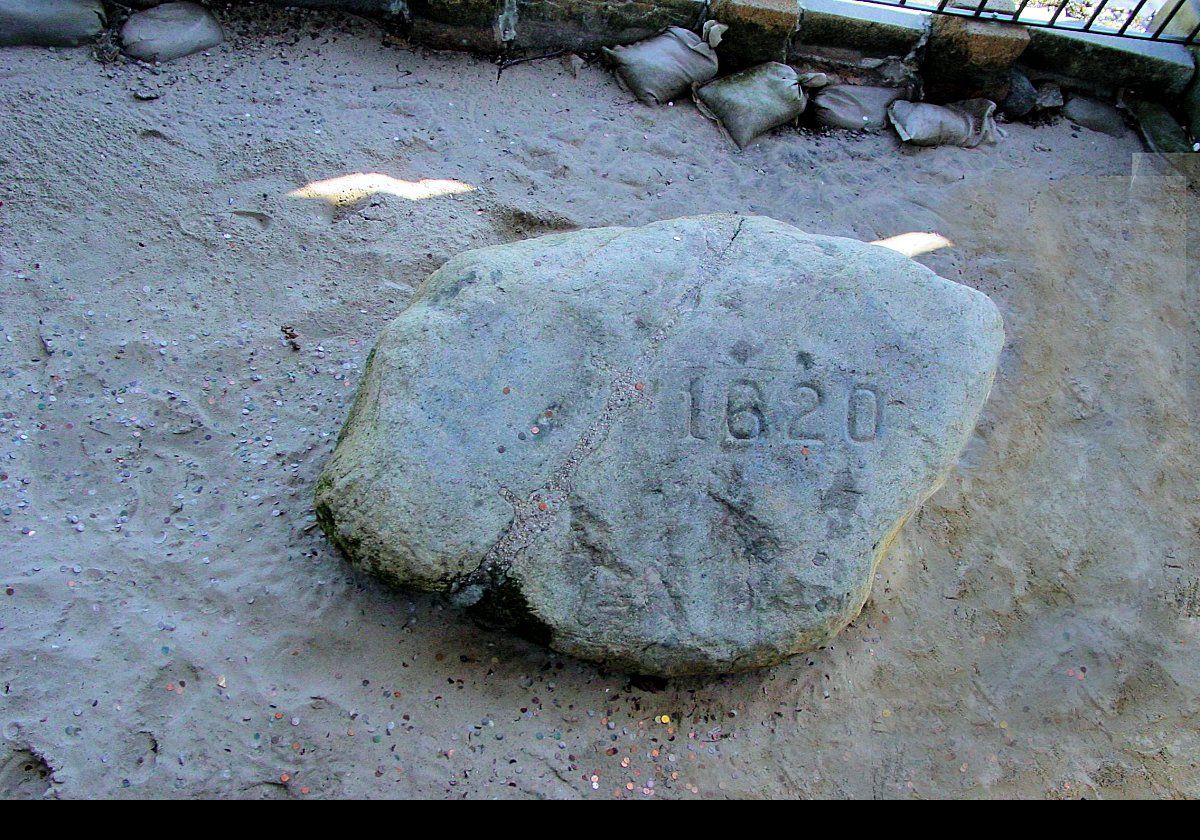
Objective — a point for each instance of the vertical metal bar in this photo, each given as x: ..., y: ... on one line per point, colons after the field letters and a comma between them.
x: 1133, y: 16
x: 1167, y: 22
x: 1095, y: 15
x: 1062, y: 17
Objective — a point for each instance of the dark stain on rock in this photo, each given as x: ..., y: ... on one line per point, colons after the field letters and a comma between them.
x: 503, y: 607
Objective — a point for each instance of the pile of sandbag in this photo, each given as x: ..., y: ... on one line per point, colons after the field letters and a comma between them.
x: 50, y: 23
x: 659, y: 70
x: 748, y: 104
x: 162, y: 33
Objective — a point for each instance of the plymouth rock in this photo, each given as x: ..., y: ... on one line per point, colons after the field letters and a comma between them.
x: 675, y: 449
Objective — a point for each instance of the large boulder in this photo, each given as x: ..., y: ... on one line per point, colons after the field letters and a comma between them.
x: 675, y: 449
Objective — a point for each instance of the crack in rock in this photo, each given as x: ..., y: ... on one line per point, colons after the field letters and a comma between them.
x: 535, y: 513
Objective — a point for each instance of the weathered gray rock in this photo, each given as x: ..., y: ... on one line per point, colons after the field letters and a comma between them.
x: 1022, y: 95
x: 1159, y: 128
x: 675, y: 449
x: 170, y: 31
x: 1049, y: 96
x: 1098, y: 116
x: 49, y: 23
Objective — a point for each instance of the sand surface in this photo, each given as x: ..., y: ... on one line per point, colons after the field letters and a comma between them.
x: 172, y: 623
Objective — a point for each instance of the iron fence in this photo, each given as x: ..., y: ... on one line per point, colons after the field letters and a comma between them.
x: 1176, y: 21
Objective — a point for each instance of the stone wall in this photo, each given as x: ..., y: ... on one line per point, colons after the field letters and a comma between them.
x: 957, y: 56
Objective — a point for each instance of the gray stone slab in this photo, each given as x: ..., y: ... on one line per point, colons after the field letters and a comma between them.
x: 1157, y: 70
x: 860, y: 26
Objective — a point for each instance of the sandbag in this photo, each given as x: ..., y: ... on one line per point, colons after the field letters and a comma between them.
x: 170, y: 31
x: 967, y: 123
x: 753, y: 101
x: 858, y: 107
x: 50, y: 23
x: 662, y: 68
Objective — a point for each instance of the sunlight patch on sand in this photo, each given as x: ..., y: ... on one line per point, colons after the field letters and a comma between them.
x: 912, y: 244
x: 350, y: 189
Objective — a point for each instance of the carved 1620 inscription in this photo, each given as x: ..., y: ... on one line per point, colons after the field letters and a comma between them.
x: 748, y: 405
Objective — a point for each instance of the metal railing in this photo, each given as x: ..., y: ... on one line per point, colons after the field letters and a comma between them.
x: 1176, y: 21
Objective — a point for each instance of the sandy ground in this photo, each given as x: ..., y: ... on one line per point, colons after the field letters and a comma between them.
x: 173, y: 624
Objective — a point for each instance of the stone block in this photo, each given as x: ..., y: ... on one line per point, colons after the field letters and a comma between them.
x: 759, y: 31
x: 970, y: 57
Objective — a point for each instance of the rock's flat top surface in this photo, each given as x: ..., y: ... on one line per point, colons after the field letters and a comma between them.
x: 678, y: 448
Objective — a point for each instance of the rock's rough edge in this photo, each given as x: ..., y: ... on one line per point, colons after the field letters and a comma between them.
x: 487, y: 589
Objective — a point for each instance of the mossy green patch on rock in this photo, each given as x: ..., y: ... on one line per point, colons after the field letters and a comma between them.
x: 759, y: 31
x: 458, y: 24
x: 590, y: 24
x: 967, y: 58
x: 1152, y: 69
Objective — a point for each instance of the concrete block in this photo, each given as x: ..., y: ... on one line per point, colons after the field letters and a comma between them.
x: 870, y: 29
x: 1153, y: 69
x: 590, y: 24
x: 474, y: 25
x: 969, y: 57
x: 1182, y: 22
x: 759, y: 31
